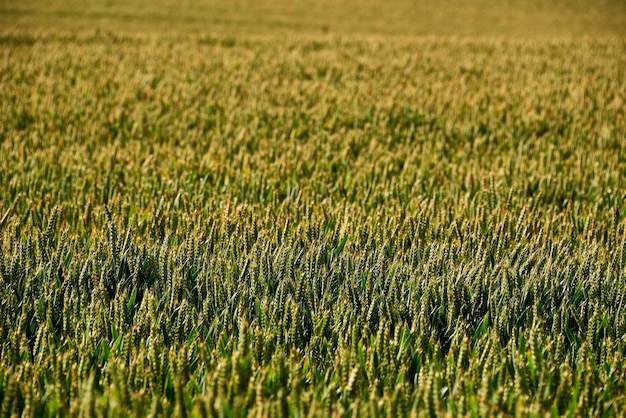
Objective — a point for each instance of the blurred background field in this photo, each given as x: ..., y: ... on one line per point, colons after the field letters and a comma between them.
x: 514, y: 18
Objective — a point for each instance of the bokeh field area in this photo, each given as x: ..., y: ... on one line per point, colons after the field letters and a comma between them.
x: 517, y: 18
x: 293, y: 208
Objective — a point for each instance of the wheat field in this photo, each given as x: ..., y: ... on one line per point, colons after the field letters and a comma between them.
x: 286, y: 209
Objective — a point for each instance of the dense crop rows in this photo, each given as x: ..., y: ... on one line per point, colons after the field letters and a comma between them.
x: 228, y: 226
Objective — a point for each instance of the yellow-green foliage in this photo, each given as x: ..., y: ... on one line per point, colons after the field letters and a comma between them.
x: 518, y: 18
x: 214, y: 225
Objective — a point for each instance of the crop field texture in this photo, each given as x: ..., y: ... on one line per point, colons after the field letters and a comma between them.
x: 310, y: 223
